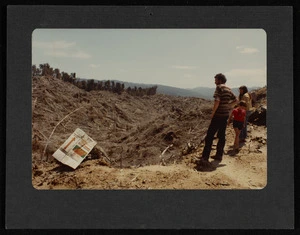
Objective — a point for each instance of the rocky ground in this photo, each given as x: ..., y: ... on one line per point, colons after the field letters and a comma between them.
x: 131, y: 134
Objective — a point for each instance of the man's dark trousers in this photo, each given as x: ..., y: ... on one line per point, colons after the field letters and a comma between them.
x: 217, y: 124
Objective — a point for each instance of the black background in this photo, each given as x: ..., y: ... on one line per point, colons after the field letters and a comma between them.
x: 28, y: 208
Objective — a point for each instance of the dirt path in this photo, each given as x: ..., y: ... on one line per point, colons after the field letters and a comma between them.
x: 246, y: 170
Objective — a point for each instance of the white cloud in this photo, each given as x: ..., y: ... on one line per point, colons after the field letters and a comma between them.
x: 183, y: 67
x: 94, y: 65
x: 247, y: 50
x: 247, y: 77
x: 66, y: 54
x: 246, y: 72
x: 81, y: 55
x: 53, y: 45
x: 61, y: 49
x: 188, y: 75
x: 57, y: 53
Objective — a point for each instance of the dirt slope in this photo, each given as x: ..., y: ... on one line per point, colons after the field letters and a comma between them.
x: 131, y: 133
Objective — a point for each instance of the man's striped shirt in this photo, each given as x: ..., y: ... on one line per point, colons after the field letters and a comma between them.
x: 225, y: 96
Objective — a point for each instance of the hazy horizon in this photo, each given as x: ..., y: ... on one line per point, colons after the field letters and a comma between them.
x: 182, y: 58
x: 152, y: 84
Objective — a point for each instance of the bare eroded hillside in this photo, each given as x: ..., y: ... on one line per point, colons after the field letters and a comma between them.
x: 131, y: 134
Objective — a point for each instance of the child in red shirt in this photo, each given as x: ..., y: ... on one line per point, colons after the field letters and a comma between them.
x: 238, y: 114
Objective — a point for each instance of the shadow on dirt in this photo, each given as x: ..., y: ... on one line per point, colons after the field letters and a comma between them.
x: 62, y: 168
x: 217, y: 164
x: 232, y: 153
x: 208, y: 167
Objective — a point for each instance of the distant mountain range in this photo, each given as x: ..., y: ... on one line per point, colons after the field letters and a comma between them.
x: 175, y: 91
x: 200, y: 92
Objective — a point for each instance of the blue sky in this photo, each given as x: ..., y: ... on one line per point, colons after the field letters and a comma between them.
x: 184, y: 58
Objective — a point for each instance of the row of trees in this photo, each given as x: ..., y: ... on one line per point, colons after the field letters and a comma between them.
x: 90, y: 84
x: 108, y: 85
x: 141, y: 91
x: 46, y: 70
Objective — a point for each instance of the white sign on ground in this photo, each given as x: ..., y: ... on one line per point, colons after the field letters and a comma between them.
x: 73, y: 151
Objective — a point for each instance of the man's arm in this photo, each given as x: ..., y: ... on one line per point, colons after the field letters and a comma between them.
x: 234, y: 102
x: 234, y: 99
x: 216, y: 105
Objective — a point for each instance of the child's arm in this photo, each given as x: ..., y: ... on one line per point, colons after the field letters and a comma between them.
x: 244, y: 120
x: 230, y: 117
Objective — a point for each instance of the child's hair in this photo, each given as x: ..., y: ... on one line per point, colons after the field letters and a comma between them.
x: 242, y: 103
x: 244, y: 89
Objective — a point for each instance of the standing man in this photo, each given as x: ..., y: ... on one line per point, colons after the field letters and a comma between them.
x: 224, y: 99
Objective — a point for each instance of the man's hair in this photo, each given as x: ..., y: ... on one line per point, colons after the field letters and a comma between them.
x: 242, y: 103
x: 221, y: 77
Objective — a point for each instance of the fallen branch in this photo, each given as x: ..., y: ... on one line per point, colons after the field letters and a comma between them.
x: 105, y: 154
x: 34, y: 104
x: 202, y: 138
x: 42, y: 134
x: 50, y: 111
x: 166, y: 150
x: 135, y: 177
x: 48, y: 140
x: 49, y: 104
x: 163, y: 152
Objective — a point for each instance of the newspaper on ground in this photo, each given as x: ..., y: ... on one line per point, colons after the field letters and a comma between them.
x: 73, y: 151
